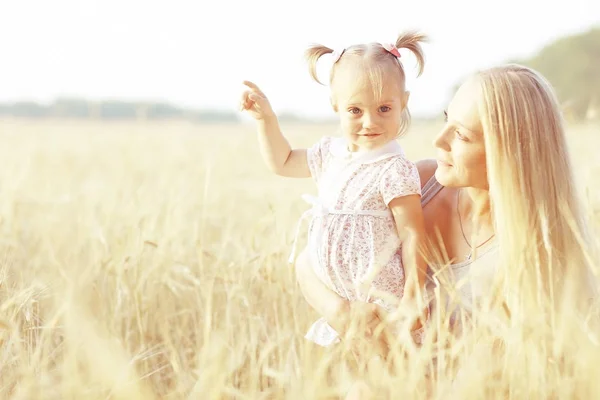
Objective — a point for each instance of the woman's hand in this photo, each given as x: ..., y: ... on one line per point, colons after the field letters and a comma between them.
x: 367, y: 331
x: 358, y: 323
x: 323, y: 300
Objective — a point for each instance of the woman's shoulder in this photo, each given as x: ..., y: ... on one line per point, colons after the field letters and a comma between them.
x: 426, y: 169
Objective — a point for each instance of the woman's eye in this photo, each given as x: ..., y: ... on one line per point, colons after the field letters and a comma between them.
x: 384, y: 109
x: 354, y: 111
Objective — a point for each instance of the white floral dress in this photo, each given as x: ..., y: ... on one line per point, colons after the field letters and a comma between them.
x: 353, y: 243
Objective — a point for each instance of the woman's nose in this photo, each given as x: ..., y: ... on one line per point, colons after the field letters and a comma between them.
x: 441, y: 140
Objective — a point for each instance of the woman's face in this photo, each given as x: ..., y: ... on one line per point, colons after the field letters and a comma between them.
x: 460, y: 146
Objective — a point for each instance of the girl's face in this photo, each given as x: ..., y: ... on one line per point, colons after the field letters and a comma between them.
x: 370, y: 116
x: 460, y: 145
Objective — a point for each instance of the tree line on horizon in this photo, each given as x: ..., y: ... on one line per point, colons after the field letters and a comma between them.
x: 79, y: 108
x: 571, y: 64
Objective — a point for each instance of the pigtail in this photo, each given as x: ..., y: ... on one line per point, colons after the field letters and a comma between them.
x: 312, y: 55
x: 412, y: 41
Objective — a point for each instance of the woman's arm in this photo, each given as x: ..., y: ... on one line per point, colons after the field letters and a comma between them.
x: 326, y: 302
x: 426, y: 169
x: 337, y: 311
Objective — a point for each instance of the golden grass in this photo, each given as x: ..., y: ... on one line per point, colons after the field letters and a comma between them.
x: 149, y: 261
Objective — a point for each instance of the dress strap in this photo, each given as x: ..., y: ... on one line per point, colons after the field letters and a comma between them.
x: 430, y: 189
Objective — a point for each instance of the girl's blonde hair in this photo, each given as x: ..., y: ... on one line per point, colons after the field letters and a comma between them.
x: 374, y: 58
x: 540, y: 225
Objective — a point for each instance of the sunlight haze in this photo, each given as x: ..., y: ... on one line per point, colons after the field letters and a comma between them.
x: 196, y: 53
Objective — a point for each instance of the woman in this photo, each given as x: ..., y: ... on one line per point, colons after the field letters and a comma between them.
x: 500, y: 204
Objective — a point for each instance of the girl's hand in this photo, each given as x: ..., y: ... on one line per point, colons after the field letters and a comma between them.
x: 255, y: 103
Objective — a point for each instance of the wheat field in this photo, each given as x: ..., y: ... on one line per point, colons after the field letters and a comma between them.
x: 148, y: 260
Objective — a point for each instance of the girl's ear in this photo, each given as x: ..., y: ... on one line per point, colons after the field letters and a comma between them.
x: 405, y: 99
x: 333, y: 104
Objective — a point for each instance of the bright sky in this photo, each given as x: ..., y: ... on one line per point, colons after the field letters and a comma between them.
x: 197, y: 52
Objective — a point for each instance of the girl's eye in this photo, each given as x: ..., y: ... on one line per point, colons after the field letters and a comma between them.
x: 384, y: 109
x: 354, y: 110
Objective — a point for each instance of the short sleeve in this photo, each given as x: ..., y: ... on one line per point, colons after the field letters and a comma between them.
x: 401, y: 178
x: 316, y: 157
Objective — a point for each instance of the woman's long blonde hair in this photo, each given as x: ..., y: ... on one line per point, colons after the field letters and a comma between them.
x: 542, y: 233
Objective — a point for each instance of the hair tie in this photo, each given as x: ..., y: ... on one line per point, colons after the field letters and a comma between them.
x: 337, y: 54
x: 392, y: 49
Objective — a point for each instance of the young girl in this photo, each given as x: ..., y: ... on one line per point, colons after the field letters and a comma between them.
x: 366, y: 231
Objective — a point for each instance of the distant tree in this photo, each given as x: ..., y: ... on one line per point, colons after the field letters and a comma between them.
x: 5, y: 110
x: 29, y: 109
x: 572, y: 65
x: 164, y: 110
x: 212, y: 116
x: 70, y: 108
x: 118, y: 110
